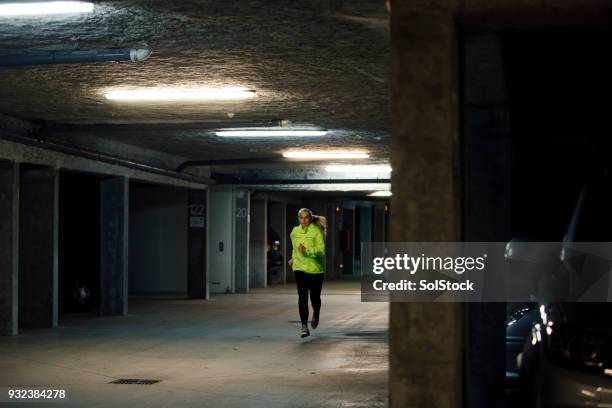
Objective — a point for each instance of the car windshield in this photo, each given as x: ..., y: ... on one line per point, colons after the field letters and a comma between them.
x: 594, y: 222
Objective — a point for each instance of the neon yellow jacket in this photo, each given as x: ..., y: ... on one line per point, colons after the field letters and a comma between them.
x: 311, y: 261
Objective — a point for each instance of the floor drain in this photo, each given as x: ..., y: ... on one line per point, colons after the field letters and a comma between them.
x: 139, y: 381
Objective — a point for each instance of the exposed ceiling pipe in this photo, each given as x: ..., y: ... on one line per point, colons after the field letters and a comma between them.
x: 231, y: 179
x: 74, y: 56
x: 229, y: 162
x: 160, y: 127
x: 312, y: 181
x: 240, y: 161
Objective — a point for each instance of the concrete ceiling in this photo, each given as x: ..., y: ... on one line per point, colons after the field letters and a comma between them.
x: 321, y: 63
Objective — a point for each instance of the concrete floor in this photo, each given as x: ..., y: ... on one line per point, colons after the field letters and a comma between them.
x: 232, y: 351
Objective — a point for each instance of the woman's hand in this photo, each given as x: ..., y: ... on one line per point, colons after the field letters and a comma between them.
x: 301, y: 248
x: 290, y: 262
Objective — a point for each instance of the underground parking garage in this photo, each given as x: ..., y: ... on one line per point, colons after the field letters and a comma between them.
x: 155, y: 156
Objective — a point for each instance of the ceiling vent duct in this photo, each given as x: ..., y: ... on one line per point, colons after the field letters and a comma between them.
x: 74, y: 56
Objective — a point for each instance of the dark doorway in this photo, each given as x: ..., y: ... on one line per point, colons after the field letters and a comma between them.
x: 79, y: 242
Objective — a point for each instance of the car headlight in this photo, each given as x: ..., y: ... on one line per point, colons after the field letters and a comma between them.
x: 581, y: 350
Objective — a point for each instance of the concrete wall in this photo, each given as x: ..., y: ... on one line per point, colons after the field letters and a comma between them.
x: 158, y: 239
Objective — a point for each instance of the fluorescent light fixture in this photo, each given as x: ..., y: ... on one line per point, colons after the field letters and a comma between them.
x: 384, y: 193
x: 270, y: 133
x: 325, y: 154
x: 180, y: 94
x: 47, y: 7
x: 361, y: 187
x: 356, y: 168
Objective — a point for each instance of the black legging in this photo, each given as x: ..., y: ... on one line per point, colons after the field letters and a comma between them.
x: 306, y: 282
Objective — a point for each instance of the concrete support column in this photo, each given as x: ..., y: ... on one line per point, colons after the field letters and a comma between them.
x: 114, y: 210
x: 425, y: 338
x: 278, y: 222
x: 365, y: 231
x: 379, y: 222
x: 257, y: 244
x: 365, y: 225
x: 38, y: 248
x: 337, y: 250
x: 330, y: 241
x: 196, y: 265
x: 9, y: 248
x: 292, y: 221
x: 241, y: 205
x: 347, y: 241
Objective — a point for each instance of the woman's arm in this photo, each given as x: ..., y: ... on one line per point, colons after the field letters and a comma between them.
x: 318, y: 248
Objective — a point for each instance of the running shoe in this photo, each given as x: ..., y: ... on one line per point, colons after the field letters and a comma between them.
x: 305, y: 332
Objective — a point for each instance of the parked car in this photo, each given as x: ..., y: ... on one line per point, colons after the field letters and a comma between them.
x: 566, y: 360
x: 530, y: 263
x: 519, y: 321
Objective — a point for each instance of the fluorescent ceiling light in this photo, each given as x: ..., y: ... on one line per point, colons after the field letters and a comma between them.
x: 356, y: 168
x: 48, y: 7
x: 384, y: 193
x: 361, y: 187
x: 180, y: 94
x: 270, y: 133
x: 326, y: 154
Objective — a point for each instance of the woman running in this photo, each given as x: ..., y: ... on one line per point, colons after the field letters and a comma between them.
x: 307, y: 264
